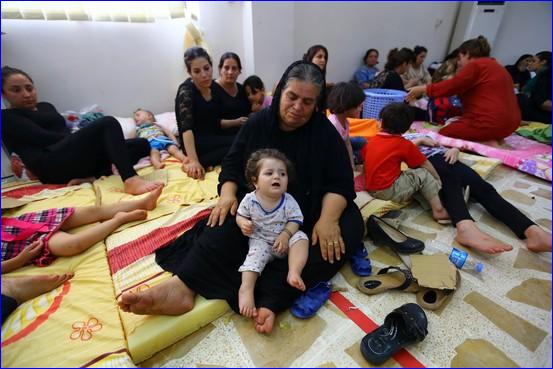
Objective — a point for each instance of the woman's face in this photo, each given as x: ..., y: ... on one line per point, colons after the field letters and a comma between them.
x: 229, y: 72
x: 402, y: 68
x: 372, y: 59
x: 201, y: 72
x: 420, y: 59
x: 297, y: 104
x: 320, y: 59
x: 536, y: 64
x: 462, y: 60
x: 20, y: 92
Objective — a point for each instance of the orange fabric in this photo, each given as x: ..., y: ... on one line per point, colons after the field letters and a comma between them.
x: 363, y: 127
x: 383, y: 156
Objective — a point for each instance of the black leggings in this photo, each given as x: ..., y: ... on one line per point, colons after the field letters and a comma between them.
x: 8, y: 306
x: 212, y: 149
x: 207, y: 260
x: 90, y: 151
x: 457, y: 176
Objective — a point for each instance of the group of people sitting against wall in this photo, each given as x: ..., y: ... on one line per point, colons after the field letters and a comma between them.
x: 308, y: 171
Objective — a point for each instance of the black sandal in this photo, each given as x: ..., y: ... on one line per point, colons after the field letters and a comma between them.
x: 383, y: 233
x: 403, y: 326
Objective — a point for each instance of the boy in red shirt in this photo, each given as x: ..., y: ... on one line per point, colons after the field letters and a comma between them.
x: 383, y: 156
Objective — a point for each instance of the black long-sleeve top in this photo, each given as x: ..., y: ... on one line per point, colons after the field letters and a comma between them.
x: 29, y: 133
x: 232, y: 107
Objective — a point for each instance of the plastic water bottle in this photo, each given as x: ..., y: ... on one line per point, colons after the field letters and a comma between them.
x: 461, y: 259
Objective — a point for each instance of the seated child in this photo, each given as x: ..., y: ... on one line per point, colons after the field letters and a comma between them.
x: 271, y: 218
x: 158, y: 137
x: 383, y: 156
x: 41, y: 236
x: 346, y: 101
x: 255, y: 91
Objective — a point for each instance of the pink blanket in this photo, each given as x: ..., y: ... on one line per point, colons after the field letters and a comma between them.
x: 523, y: 154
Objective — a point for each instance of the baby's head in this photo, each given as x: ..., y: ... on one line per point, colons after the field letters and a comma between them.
x: 142, y: 116
x: 255, y: 90
x: 268, y: 171
x: 346, y: 98
x: 396, y: 118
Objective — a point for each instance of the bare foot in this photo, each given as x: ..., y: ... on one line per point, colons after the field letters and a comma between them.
x: 78, y: 181
x: 246, y: 302
x: 171, y: 297
x: 264, y: 321
x: 538, y: 240
x: 158, y: 165
x: 150, y: 202
x: 469, y: 235
x: 25, y: 288
x: 131, y: 216
x: 137, y: 186
x: 294, y: 280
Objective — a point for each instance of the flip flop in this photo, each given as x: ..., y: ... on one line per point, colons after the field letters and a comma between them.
x: 360, y: 264
x: 307, y: 305
x: 433, y: 298
x: 401, y: 279
x: 403, y: 326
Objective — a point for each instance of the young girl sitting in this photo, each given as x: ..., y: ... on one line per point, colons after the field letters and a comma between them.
x: 383, y: 156
x: 158, y: 137
x: 271, y: 218
x: 346, y: 101
x: 255, y: 91
x: 40, y: 236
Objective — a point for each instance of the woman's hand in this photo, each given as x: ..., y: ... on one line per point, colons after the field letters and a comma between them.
x: 241, y: 121
x: 328, y: 235
x: 451, y: 155
x: 30, y: 252
x: 193, y: 169
x: 414, y: 93
x: 227, y: 203
x: 426, y: 141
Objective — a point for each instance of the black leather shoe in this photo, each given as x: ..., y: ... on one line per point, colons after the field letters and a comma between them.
x: 404, y: 326
x: 384, y: 234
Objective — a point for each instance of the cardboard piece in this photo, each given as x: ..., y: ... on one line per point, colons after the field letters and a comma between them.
x: 11, y: 203
x: 434, y: 271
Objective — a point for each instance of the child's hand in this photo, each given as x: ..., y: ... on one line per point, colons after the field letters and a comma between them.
x: 451, y: 155
x: 246, y: 226
x: 30, y: 252
x: 281, y: 244
x: 256, y: 107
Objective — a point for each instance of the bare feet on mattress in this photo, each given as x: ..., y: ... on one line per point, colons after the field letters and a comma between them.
x: 537, y: 239
x: 25, y: 288
x: 469, y: 235
x: 78, y: 181
x: 137, y: 186
x: 150, y: 201
x: 264, y: 321
x: 294, y: 280
x: 130, y: 216
x: 246, y: 302
x: 171, y: 297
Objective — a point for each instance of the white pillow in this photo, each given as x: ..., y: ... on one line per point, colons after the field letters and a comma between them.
x: 128, y: 126
x: 167, y: 120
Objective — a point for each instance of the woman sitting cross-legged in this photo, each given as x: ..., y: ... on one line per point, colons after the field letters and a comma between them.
x: 206, y: 259
x: 38, y: 134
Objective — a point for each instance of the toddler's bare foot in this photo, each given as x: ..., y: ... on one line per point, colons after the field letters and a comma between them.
x: 469, y: 235
x: 137, y: 186
x: 150, y: 201
x: 294, y: 280
x: 246, y: 302
x: 131, y: 216
x: 25, y: 288
x: 538, y: 240
x: 158, y: 165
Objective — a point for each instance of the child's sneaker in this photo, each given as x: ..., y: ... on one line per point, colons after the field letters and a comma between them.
x: 360, y: 264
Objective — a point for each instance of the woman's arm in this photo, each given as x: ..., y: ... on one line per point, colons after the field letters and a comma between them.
x: 228, y: 203
x: 24, y: 129
x: 193, y: 167
x: 229, y: 123
x: 26, y: 256
x: 326, y: 231
x: 429, y: 167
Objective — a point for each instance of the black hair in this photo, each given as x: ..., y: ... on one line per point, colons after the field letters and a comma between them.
x: 398, y: 57
x: 419, y: 49
x: 476, y: 47
x: 523, y: 57
x: 542, y: 55
x: 230, y: 55
x: 7, y: 72
x: 193, y: 53
x: 312, y: 51
x: 254, y: 83
x: 253, y: 165
x: 345, y: 96
x: 367, y: 55
x: 396, y: 118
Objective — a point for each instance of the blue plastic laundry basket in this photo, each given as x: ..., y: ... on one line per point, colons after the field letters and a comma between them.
x: 377, y: 98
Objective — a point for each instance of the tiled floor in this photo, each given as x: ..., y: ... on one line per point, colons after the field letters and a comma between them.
x: 501, y: 318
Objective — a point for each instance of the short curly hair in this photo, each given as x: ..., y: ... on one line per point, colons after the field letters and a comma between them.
x: 253, y: 165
